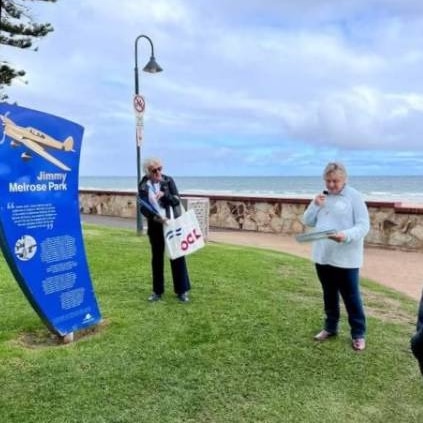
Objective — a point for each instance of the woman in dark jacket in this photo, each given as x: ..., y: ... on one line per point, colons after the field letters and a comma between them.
x: 158, y: 195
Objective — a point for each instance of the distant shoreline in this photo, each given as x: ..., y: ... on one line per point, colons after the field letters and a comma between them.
x: 403, y: 201
x: 406, y: 189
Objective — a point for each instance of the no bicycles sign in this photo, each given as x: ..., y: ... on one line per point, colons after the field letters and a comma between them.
x: 139, y: 107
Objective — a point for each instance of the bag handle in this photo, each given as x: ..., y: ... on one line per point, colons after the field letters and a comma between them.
x: 171, y: 214
x: 181, y: 205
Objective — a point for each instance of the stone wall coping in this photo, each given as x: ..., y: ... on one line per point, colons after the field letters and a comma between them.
x: 107, y: 191
x: 399, y: 207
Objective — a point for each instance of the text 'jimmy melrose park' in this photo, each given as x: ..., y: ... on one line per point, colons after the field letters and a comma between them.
x: 53, y: 182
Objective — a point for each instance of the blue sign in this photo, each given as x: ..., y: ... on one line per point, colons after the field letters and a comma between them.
x: 40, y: 226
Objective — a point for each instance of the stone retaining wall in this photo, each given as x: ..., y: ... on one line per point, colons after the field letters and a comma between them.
x: 393, y: 225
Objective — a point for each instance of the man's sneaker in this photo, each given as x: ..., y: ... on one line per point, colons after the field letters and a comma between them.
x: 183, y: 298
x: 323, y: 335
x: 154, y: 297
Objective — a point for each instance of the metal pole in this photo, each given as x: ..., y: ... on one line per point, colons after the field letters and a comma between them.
x: 151, y: 67
x: 138, y: 147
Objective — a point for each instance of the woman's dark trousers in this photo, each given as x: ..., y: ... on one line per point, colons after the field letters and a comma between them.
x: 335, y: 281
x: 178, y: 266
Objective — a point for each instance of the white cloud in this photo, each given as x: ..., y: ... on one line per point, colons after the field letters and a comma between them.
x: 243, y: 82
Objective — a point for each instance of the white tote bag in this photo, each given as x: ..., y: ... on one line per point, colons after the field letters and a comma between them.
x: 182, y: 235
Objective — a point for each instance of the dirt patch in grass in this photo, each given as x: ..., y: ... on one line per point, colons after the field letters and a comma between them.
x: 376, y: 304
x: 386, y: 309
x: 43, y: 338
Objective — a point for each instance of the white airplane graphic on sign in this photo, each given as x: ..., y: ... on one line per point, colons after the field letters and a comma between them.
x: 36, y: 141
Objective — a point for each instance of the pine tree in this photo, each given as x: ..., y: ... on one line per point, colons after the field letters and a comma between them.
x: 17, y: 29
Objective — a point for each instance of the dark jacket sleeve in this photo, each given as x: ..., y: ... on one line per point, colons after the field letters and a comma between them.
x: 170, y: 196
x: 143, y: 195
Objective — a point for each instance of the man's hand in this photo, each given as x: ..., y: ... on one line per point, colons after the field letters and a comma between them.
x: 160, y: 219
x: 320, y: 199
x: 159, y: 195
x: 338, y: 237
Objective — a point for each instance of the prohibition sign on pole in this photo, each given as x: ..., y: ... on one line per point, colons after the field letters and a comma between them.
x: 139, y: 104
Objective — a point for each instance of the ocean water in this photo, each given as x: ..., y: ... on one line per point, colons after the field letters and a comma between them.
x: 408, y: 189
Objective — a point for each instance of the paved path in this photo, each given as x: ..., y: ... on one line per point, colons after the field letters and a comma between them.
x: 400, y: 270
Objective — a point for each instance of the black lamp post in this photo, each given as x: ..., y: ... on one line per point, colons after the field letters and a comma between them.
x: 150, y: 67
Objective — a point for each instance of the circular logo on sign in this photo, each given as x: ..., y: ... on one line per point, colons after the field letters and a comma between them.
x: 25, y: 247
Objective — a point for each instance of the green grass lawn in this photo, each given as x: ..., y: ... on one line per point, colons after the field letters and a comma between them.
x: 240, y: 351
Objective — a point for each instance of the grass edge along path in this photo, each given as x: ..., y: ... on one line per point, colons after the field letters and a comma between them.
x: 240, y: 351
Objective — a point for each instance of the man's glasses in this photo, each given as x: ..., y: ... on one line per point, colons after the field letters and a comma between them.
x: 156, y: 170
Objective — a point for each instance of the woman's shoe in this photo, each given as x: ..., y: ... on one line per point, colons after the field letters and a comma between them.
x: 324, y: 335
x: 183, y: 298
x: 154, y: 297
x: 359, y: 344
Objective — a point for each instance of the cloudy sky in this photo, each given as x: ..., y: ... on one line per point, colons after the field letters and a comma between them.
x: 251, y: 87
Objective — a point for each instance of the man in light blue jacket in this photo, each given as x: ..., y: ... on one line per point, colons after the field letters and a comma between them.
x: 339, y: 257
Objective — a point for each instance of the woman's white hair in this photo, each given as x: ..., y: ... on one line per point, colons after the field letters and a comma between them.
x: 151, y: 162
x: 335, y: 167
